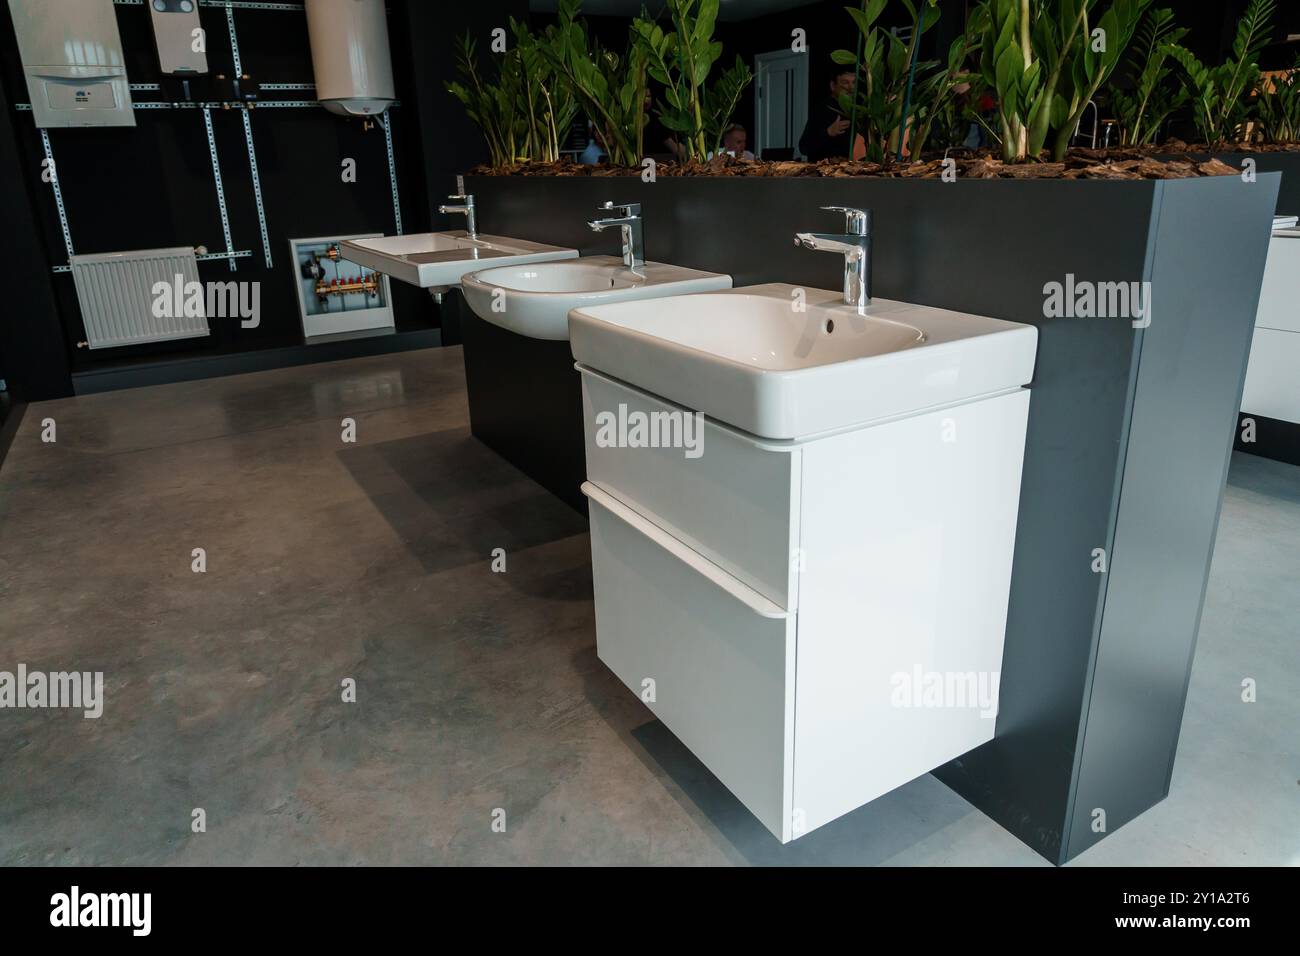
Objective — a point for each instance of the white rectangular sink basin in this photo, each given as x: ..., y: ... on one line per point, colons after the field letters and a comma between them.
x: 534, y: 299
x: 751, y: 358
x: 439, y: 259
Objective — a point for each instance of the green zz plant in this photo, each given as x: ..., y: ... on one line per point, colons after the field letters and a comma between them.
x: 882, y: 103
x: 1279, y: 107
x: 547, y: 105
x: 1143, y: 109
x: 1099, y: 50
x: 486, y: 104
x: 937, y: 105
x: 1022, y: 62
x: 610, y: 89
x: 1220, y: 95
x: 680, y: 60
x: 1045, y: 63
x: 526, y: 111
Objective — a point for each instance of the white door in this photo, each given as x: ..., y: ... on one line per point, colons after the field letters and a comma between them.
x: 780, y: 100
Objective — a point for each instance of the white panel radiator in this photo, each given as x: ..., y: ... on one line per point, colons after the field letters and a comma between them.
x: 118, y: 303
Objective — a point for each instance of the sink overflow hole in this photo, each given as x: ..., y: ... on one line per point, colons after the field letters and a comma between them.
x: 830, y: 326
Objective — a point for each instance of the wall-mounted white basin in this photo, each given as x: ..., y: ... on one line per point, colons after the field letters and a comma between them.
x: 440, y: 259
x: 535, y: 299
x: 785, y: 362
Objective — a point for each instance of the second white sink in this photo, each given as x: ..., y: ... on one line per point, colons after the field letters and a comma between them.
x: 437, y: 260
x: 534, y: 299
x: 784, y: 362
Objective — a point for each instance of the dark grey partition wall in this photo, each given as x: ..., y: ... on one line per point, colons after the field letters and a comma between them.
x: 1184, y: 406
x: 1130, y: 429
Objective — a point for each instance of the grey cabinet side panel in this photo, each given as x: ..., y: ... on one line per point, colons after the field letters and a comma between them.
x: 1192, y: 366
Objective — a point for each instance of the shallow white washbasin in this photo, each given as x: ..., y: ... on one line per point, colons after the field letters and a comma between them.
x: 534, y: 300
x: 440, y: 259
x: 751, y: 358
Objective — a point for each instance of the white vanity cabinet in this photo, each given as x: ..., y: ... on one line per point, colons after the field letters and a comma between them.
x: 1272, y: 386
x: 818, y: 621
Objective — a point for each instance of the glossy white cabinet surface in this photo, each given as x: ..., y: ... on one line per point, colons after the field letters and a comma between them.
x: 719, y: 669
x: 818, y: 621
x: 1273, y: 376
x: 1279, y: 298
x: 736, y: 504
x: 908, y: 540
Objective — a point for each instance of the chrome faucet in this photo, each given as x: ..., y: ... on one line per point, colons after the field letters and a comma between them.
x: 854, y: 245
x: 466, y: 209
x: 629, y: 221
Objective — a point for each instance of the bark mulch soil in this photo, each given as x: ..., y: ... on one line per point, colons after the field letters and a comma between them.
x: 1172, y: 160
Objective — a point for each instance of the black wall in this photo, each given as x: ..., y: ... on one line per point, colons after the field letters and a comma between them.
x: 827, y: 28
x: 152, y: 186
x: 33, y: 357
x: 449, y: 141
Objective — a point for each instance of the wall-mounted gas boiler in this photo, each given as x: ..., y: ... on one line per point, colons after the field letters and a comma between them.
x: 72, y: 58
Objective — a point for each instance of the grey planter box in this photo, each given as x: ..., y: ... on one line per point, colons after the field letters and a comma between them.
x: 1130, y: 430
x: 1288, y: 164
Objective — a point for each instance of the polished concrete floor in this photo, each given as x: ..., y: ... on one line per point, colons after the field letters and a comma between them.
x: 475, y: 690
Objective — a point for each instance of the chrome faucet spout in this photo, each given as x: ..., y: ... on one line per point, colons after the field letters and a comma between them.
x: 629, y: 224
x: 466, y: 209
x: 829, y: 242
x: 854, y: 244
x: 597, y: 225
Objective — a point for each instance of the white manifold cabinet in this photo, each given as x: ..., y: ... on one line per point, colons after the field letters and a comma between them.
x: 72, y: 58
x: 350, y: 56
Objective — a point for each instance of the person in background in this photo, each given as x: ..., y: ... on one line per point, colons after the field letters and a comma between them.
x: 656, y: 139
x: 593, y: 154
x: 827, y: 134
x: 734, y: 141
x: 977, y: 136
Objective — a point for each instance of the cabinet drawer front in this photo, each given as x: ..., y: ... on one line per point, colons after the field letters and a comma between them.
x: 1273, y: 376
x: 736, y: 503
x: 1279, y: 297
x: 720, y: 656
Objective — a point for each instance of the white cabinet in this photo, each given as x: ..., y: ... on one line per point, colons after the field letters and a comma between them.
x: 1273, y: 376
x: 736, y: 504
x: 819, y: 621
x: 715, y: 664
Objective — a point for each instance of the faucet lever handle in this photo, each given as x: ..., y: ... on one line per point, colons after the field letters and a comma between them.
x: 857, y: 222
x: 628, y: 209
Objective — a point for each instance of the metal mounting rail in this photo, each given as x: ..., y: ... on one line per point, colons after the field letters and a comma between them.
x: 206, y: 257
x: 248, y: 139
x: 221, y: 189
x: 58, y: 192
x: 392, y: 172
x: 237, y: 4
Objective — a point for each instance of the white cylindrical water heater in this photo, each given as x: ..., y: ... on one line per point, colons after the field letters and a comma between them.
x: 350, y: 56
